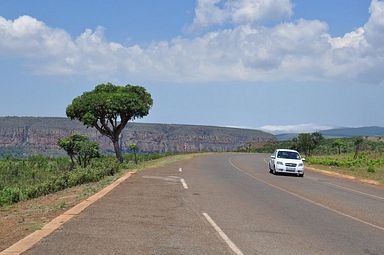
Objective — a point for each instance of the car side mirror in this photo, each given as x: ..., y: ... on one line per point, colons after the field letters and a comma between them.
x: 272, y: 157
x: 303, y: 159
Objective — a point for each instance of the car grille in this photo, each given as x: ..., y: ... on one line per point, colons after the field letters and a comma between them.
x: 290, y: 164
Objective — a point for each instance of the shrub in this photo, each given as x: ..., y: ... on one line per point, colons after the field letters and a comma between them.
x: 10, y: 195
x: 38, y: 176
x: 371, y: 169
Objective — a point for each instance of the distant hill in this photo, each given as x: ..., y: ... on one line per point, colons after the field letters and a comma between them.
x: 340, y: 133
x: 23, y: 136
x: 350, y: 132
x: 286, y: 136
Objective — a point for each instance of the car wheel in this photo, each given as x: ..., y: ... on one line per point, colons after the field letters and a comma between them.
x: 301, y: 175
x: 274, y: 170
x: 270, y: 169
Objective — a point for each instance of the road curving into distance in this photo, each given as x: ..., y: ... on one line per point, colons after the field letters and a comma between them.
x: 267, y: 214
x: 226, y: 204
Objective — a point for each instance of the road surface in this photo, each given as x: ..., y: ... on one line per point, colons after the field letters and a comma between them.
x: 226, y: 204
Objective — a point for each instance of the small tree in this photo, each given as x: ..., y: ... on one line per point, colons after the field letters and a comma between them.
x: 294, y: 144
x: 69, y: 143
x: 108, y: 108
x: 305, y: 143
x: 317, y: 138
x: 338, y: 143
x: 357, y: 142
x: 133, y: 147
x: 86, y: 151
x: 79, y: 148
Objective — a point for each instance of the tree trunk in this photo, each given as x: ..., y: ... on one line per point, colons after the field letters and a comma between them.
x: 72, y: 162
x: 116, y: 146
x: 357, y: 149
x: 134, y: 151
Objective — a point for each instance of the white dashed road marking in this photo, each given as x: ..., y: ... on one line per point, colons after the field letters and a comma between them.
x: 226, y: 239
x: 180, y: 170
x: 184, y: 183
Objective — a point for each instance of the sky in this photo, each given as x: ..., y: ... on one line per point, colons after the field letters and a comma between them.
x: 277, y: 65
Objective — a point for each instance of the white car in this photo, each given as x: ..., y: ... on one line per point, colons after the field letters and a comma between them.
x: 286, y: 161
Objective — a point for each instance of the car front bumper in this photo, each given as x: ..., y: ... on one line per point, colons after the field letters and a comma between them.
x: 290, y: 170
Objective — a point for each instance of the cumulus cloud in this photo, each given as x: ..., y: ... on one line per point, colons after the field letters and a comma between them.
x: 299, y: 128
x: 300, y: 50
x: 217, y: 12
x: 53, y: 51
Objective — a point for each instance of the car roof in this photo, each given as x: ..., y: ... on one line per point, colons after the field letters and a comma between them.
x: 287, y: 150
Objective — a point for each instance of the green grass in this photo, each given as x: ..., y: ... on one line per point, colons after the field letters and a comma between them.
x: 368, y: 165
x: 22, y: 179
x: 36, y: 226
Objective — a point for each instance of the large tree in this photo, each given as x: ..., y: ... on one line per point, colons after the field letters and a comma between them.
x: 108, y: 108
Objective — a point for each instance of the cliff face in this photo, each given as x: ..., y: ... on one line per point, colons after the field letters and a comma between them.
x: 23, y: 136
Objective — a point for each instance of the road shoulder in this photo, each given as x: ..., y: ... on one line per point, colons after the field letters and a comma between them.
x: 343, y: 176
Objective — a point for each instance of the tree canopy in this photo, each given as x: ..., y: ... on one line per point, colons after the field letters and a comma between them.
x: 108, y: 108
x: 338, y: 143
x: 307, y: 142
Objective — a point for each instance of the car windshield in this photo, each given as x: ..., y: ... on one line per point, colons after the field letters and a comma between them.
x: 288, y: 155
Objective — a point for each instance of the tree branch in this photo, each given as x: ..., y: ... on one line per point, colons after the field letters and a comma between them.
x: 112, y: 122
x: 103, y: 132
x: 105, y: 126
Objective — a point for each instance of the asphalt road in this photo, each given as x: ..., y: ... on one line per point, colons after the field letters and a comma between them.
x: 226, y: 204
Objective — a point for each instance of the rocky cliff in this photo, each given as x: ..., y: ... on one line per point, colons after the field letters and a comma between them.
x: 23, y: 136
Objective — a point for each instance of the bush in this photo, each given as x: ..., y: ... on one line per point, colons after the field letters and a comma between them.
x: 371, y: 169
x: 10, y: 195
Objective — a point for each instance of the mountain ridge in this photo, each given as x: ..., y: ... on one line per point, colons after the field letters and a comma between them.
x: 23, y: 136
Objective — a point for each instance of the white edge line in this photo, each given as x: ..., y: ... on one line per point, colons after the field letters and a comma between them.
x: 356, y: 191
x: 226, y: 239
x: 184, y: 183
x: 309, y: 200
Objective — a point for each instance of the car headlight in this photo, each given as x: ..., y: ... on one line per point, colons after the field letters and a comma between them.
x: 279, y: 163
x: 301, y: 164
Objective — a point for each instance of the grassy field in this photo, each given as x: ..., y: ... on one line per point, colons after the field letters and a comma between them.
x: 368, y: 165
x: 23, y: 179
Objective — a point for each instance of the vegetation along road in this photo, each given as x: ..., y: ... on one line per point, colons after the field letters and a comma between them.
x: 226, y: 204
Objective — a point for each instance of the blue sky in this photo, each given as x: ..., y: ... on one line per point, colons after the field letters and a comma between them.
x: 281, y: 65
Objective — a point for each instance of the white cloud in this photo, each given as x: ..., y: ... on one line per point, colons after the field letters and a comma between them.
x: 299, y: 128
x: 217, y: 12
x: 53, y: 51
x: 300, y: 50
